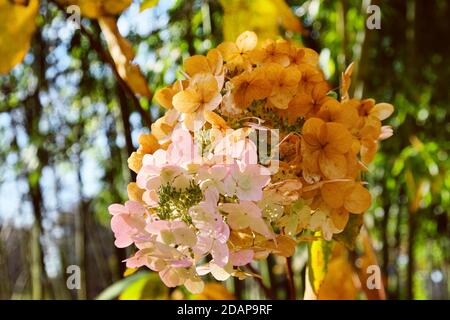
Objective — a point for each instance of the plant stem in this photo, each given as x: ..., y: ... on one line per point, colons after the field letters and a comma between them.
x: 267, y: 291
x: 290, y: 278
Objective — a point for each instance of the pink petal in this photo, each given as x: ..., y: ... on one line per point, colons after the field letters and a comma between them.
x: 117, y: 209
x: 135, y: 207
x: 220, y: 253
x: 123, y: 241
x: 242, y: 257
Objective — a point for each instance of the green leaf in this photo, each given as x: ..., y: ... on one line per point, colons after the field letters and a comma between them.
x: 351, y: 231
x: 147, y: 4
x: 332, y: 94
x: 34, y: 177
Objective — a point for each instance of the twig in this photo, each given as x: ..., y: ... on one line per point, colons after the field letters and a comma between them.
x: 106, y: 57
x: 290, y: 278
x: 267, y: 291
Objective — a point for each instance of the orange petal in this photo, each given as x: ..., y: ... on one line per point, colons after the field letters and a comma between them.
x: 382, y: 110
x: 333, y: 111
x: 368, y: 150
x: 320, y: 90
x: 273, y: 72
x: 239, y: 96
x: 339, y: 218
x: 313, y: 126
x: 311, y: 130
x: 280, y: 100
x: 333, y: 165
x: 333, y: 193
x: 148, y: 143
x: 186, y: 101
x: 291, y: 76
x: 160, y: 128
x: 338, y: 137
x: 310, y: 56
x: 259, y: 89
x: 135, y: 161
x: 164, y: 97
x: 359, y: 200
x: 134, y: 192
x: 214, y: 119
x: 229, y: 51
x: 213, y: 103
x: 247, y: 41
x: 206, y: 85
x: 301, y: 104
x: 215, y: 61
x: 196, y: 64
x: 311, y: 161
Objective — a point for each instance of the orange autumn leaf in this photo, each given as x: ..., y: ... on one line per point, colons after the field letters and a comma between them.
x: 17, y: 25
x: 98, y: 8
x: 214, y: 291
x: 368, y: 260
x: 340, y: 281
x: 122, y: 53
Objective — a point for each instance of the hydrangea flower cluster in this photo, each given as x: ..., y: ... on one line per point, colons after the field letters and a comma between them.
x: 253, y: 154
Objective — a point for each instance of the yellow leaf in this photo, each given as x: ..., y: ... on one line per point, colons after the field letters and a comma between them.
x: 147, y: 4
x: 369, y: 259
x: 99, y: 8
x: 214, y: 291
x: 17, y: 24
x: 264, y: 17
x: 339, y: 283
x: 286, y: 17
x: 319, y: 253
x: 122, y: 54
x: 148, y: 287
x: 130, y: 271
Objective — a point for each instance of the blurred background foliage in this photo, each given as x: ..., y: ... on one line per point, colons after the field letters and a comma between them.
x: 69, y: 118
